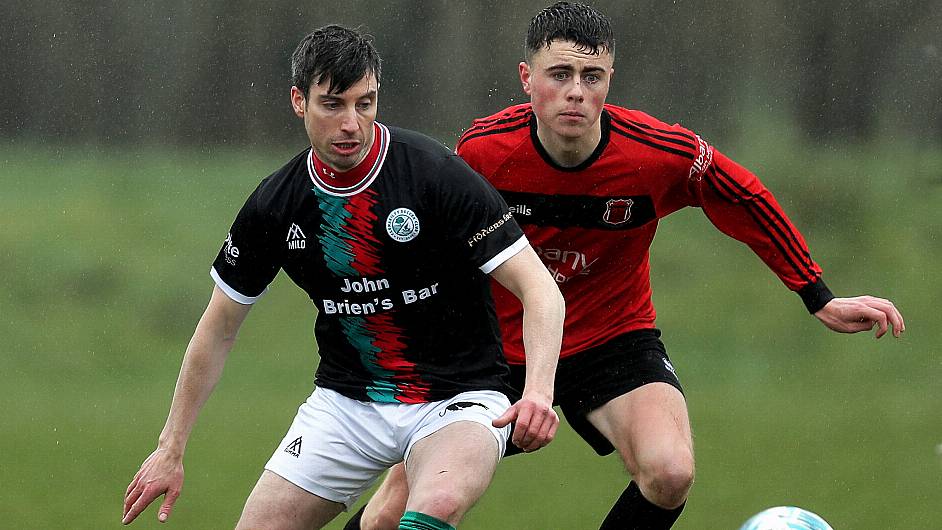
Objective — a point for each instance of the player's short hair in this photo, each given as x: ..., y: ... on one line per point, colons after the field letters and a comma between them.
x: 590, y: 30
x: 336, y: 54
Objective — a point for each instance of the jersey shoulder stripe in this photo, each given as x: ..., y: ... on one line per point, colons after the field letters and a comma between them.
x: 645, y: 121
x: 509, y: 112
x: 650, y: 143
x: 642, y: 128
x: 506, y: 121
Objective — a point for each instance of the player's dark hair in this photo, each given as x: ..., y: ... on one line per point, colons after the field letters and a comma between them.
x: 590, y: 30
x: 335, y: 53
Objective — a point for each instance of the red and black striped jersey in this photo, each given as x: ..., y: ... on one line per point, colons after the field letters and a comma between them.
x: 593, y: 224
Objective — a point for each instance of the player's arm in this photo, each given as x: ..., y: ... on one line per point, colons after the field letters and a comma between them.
x: 543, y: 312
x: 742, y: 207
x: 162, y: 472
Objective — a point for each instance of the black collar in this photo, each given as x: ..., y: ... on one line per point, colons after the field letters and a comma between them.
x: 603, y: 143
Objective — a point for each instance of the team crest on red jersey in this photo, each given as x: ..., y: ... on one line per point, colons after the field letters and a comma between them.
x: 617, y: 211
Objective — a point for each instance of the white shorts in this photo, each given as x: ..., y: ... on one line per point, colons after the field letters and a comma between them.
x: 337, y: 447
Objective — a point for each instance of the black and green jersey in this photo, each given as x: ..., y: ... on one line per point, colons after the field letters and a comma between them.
x: 395, y: 259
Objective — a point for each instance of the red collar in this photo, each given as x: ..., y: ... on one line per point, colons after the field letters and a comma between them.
x: 359, y: 176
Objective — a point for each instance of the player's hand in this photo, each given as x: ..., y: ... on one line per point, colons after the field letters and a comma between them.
x: 535, y: 422
x: 160, y: 474
x: 862, y: 313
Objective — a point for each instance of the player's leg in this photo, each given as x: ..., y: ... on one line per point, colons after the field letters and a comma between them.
x: 451, y: 458
x: 386, y: 506
x: 625, y: 395
x: 651, y: 431
x: 276, y: 503
x: 448, y: 471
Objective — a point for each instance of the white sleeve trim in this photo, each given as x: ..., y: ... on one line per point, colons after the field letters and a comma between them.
x: 232, y: 293
x: 505, y: 255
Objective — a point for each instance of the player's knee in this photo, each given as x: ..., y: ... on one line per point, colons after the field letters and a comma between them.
x: 667, y: 482
x: 443, y: 505
x: 672, y: 486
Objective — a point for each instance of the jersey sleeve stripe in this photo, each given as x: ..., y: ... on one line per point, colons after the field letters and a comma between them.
x: 650, y: 143
x: 771, y: 222
x: 792, y: 237
x: 232, y: 293
x: 722, y: 191
x: 504, y: 255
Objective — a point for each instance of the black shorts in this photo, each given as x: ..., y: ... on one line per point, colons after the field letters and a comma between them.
x: 591, y: 378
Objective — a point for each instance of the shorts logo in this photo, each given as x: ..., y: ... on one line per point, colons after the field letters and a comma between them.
x: 669, y: 366
x: 402, y: 225
x: 296, y: 238
x: 454, y: 407
x: 294, y: 448
x: 617, y: 211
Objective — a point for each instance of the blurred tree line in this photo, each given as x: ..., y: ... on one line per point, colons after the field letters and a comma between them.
x: 216, y: 72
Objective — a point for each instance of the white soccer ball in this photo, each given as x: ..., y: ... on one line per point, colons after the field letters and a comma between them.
x: 786, y: 518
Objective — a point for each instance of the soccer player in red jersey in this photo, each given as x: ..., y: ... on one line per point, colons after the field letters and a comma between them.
x: 588, y: 182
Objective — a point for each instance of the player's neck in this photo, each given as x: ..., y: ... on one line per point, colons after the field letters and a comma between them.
x: 568, y: 151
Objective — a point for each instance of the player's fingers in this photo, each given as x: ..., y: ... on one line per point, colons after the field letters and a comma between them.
x: 543, y: 428
x: 881, y: 330
x: 896, y: 318
x: 145, y: 466
x: 133, y: 496
x: 553, y: 428
x: 877, y: 318
x: 147, y: 496
x: 506, y: 418
x: 893, y: 316
x: 521, y: 429
x: 547, y: 431
x: 529, y: 438
x: 132, y: 485
x: 164, y: 513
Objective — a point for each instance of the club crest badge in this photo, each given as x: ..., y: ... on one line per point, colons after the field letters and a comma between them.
x: 402, y: 225
x: 617, y: 211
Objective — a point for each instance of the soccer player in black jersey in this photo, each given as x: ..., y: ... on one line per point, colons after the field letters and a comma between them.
x: 588, y: 182
x: 395, y: 239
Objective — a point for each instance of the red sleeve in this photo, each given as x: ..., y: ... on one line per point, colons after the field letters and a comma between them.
x: 739, y: 205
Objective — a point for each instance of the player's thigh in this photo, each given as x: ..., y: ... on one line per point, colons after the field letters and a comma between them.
x: 277, y: 504
x: 453, y: 452
x: 452, y: 466
x: 649, y: 426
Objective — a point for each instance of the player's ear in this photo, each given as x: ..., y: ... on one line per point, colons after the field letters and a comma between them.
x: 524, y: 69
x: 298, y: 101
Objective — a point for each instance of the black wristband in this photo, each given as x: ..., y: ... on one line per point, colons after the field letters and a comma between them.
x: 815, y: 295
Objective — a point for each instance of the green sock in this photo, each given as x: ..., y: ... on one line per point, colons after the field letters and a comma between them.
x: 420, y: 521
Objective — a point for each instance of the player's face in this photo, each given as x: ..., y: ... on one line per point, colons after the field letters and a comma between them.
x: 567, y: 87
x: 340, y: 126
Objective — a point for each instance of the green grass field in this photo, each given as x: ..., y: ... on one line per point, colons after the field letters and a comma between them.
x: 106, y: 260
